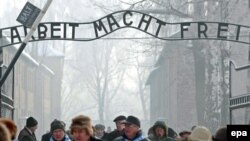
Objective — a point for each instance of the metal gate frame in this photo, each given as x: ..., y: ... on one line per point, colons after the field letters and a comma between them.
x: 6, y: 96
x: 240, y: 101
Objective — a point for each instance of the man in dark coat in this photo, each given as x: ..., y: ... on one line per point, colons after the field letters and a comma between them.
x: 132, y: 131
x: 160, y: 132
x: 119, y: 122
x: 28, y: 132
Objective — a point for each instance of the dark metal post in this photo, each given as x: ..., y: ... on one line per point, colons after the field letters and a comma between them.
x: 13, y: 91
x: 1, y: 76
x: 230, y: 90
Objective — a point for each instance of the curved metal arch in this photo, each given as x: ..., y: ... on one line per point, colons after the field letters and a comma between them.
x: 170, y: 38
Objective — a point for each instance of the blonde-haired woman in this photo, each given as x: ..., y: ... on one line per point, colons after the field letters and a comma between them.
x: 81, y: 129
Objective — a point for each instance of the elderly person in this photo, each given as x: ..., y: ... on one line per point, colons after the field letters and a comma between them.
x: 100, y: 132
x: 132, y: 131
x: 81, y: 129
x: 119, y: 120
x: 28, y: 132
x: 57, y: 130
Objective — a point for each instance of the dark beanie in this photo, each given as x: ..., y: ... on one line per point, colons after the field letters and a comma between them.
x: 31, y: 122
x: 57, y: 124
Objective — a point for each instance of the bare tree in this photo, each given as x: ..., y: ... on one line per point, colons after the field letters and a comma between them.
x: 207, y: 61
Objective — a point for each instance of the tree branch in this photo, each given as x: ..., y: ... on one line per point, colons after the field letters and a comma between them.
x: 172, y: 11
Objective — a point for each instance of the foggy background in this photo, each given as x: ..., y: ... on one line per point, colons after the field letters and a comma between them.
x: 121, y: 74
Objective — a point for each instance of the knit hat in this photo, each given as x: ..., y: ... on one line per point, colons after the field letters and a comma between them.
x: 200, y: 133
x: 82, y: 122
x: 11, y: 126
x: 133, y: 120
x: 57, y: 124
x: 31, y: 122
x: 119, y: 118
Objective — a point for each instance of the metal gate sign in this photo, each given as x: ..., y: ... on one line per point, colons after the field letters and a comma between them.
x: 146, y: 23
x: 28, y: 15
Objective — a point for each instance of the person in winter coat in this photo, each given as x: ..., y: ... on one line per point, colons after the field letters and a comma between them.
x: 4, y: 133
x: 132, y: 131
x: 11, y: 126
x: 160, y: 132
x: 57, y: 130
x: 28, y: 132
x: 119, y: 120
x: 81, y: 129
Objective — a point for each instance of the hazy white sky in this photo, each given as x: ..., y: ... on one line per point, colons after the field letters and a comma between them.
x: 10, y: 7
x: 6, y: 5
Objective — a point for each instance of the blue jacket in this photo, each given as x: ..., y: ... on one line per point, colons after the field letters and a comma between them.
x: 138, y: 137
x: 66, y: 138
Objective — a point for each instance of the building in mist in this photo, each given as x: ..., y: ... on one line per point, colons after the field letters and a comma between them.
x: 240, y: 80
x: 189, y: 84
x: 32, y: 88
x: 171, y: 99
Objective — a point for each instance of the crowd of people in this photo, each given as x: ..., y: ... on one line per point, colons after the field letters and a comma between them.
x: 127, y: 129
